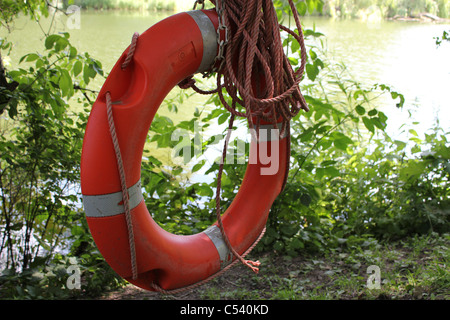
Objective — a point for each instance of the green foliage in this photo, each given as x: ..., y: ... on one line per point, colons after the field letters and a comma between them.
x: 40, y: 153
x: 348, y: 178
x: 303, y: 6
x: 40, y: 148
x: 445, y: 37
x: 10, y: 8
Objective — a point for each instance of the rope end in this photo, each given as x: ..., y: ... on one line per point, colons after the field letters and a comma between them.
x: 253, y: 265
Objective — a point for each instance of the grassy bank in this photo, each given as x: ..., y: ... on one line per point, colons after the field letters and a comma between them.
x: 416, y: 268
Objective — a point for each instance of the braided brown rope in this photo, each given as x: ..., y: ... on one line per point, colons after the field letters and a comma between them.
x: 131, y: 51
x: 123, y: 182
x: 255, y: 45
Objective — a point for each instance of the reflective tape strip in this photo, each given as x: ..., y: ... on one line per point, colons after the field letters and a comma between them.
x: 107, y: 205
x: 215, y: 235
x: 267, y: 132
x: 209, y: 35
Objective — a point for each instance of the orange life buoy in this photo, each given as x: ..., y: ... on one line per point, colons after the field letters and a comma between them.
x: 165, y: 54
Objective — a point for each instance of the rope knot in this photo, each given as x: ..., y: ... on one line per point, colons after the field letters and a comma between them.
x: 187, y: 83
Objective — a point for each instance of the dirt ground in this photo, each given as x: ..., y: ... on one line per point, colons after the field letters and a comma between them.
x: 280, y: 277
x: 238, y: 277
x: 414, y: 271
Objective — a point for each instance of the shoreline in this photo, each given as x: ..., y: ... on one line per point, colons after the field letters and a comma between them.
x: 422, y: 17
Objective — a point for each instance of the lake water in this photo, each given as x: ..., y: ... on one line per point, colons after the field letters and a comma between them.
x: 402, y: 55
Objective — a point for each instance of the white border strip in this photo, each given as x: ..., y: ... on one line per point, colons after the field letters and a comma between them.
x: 215, y: 236
x: 107, y: 205
x: 209, y: 36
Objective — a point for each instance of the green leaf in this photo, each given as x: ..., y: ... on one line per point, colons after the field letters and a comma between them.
x: 331, y: 172
x: 309, y: 32
x: 341, y: 144
x: 77, y: 68
x: 223, y: 117
x: 360, y: 110
x: 30, y: 57
x: 50, y: 40
x: 369, y: 125
x: 412, y: 170
x: 305, y: 199
x: 198, y: 166
x: 293, y: 61
x: 312, y: 71
x: 296, y: 244
x: 39, y: 63
x: 295, y: 46
x: 88, y: 73
x: 278, y: 245
x: 72, y: 52
x: 373, y: 112
x: 400, y: 145
x: 65, y: 83
x: 204, y: 190
x: 443, y: 152
x: 301, y: 7
x: 288, y: 229
x: 311, y: 5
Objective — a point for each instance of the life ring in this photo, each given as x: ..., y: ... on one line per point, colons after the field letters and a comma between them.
x: 167, y: 53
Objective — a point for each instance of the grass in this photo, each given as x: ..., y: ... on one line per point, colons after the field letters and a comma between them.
x: 415, y: 269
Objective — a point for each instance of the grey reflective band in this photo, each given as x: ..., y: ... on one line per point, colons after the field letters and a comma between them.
x: 215, y: 235
x: 209, y: 35
x: 111, y: 204
x: 267, y: 132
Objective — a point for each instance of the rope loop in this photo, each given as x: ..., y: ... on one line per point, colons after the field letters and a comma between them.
x: 131, y: 51
x: 197, y: 2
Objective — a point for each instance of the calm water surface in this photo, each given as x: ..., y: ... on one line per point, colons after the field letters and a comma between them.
x: 402, y: 55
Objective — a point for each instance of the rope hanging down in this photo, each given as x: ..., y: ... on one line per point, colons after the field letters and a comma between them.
x: 123, y: 180
x: 253, y: 43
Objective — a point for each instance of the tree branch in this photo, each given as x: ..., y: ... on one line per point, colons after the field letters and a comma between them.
x: 83, y: 91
